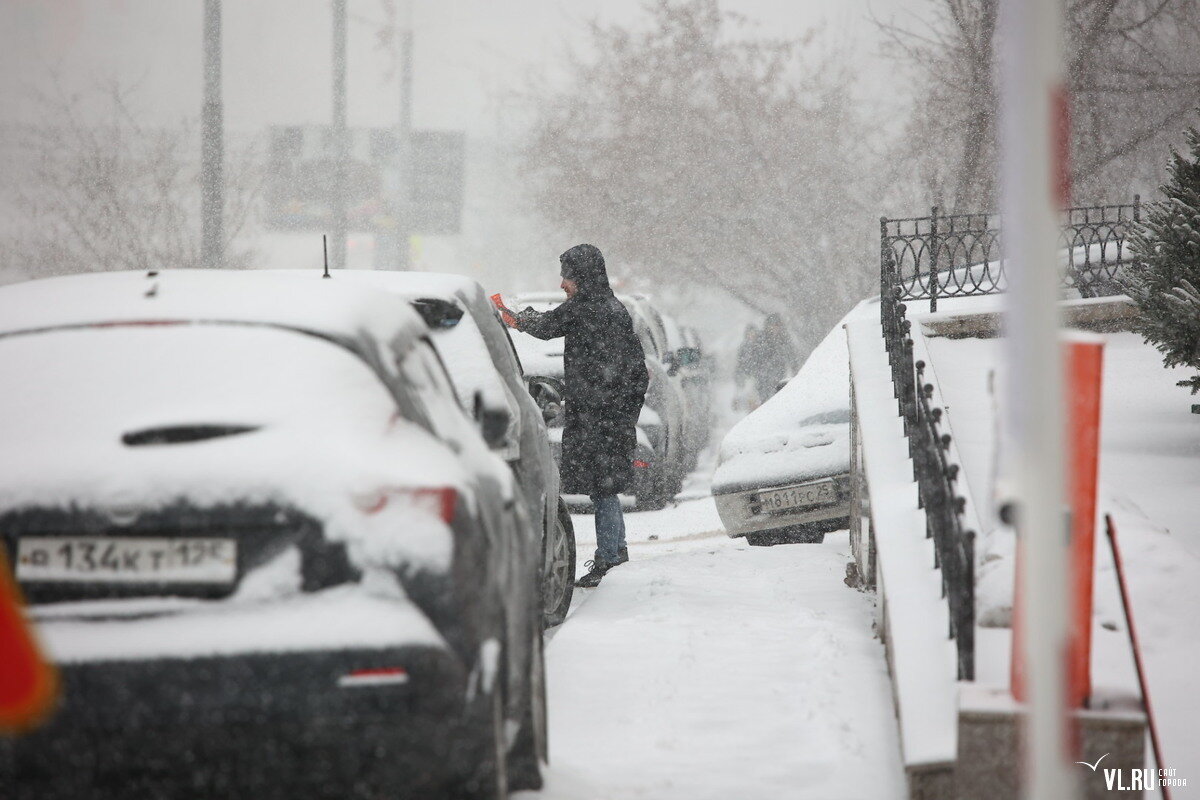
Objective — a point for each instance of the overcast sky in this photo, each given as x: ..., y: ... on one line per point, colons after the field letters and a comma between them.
x: 277, y: 53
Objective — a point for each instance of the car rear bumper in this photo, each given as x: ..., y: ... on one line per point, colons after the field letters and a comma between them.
x: 260, y: 725
x: 740, y: 512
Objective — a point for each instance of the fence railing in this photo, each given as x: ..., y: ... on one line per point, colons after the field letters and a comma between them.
x: 954, y: 546
x: 936, y: 476
x: 958, y: 255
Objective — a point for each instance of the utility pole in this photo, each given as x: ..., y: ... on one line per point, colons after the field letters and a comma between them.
x: 338, y: 129
x: 392, y: 246
x: 404, y: 196
x: 212, y: 144
x: 1033, y: 189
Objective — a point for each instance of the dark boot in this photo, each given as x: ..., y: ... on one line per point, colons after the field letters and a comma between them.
x: 622, y: 555
x: 597, y: 570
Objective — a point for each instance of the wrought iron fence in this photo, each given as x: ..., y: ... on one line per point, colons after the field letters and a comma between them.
x: 958, y: 255
x: 936, y: 477
x: 953, y: 545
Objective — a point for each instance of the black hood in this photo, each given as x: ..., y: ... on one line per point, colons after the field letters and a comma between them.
x: 584, y: 264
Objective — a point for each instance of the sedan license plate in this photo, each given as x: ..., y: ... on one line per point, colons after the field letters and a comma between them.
x: 792, y: 497
x: 111, y: 559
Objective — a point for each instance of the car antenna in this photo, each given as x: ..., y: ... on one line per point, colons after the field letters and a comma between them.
x: 325, y: 248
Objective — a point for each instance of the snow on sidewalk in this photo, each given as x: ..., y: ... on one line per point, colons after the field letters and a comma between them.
x: 706, y: 668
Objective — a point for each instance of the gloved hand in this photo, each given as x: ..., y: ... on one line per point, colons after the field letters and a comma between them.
x: 522, y: 318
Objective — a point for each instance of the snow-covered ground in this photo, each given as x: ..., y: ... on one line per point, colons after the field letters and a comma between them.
x: 706, y: 668
x: 1149, y: 474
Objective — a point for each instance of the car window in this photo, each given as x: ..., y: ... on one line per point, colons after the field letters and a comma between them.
x: 424, y: 372
x: 513, y: 349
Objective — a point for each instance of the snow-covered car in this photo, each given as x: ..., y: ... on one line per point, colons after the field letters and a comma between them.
x: 666, y: 395
x: 475, y: 346
x: 654, y: 476
x: 266, y: 549
x: 784, y: 470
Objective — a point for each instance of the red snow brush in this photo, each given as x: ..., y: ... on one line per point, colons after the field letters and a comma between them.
x: 510, y: 319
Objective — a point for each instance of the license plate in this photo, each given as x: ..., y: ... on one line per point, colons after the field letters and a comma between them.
x: 812, y: 494
x: 111, y: 559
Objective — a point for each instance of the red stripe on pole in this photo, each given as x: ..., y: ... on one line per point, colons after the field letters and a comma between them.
x: 1060, y: 115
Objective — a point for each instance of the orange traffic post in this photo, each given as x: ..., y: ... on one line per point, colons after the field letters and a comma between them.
x: 1083, y: 362
x: 28, y: 684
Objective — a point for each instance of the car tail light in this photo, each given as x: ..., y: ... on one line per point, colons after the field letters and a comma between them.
x: 379, y: 676
x: 638, y: 463
x: 436, y: 500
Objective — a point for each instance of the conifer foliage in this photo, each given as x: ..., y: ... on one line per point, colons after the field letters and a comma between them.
x: 1166, y: 283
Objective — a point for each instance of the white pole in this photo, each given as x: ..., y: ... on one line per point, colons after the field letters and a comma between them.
x: 1032, y: 88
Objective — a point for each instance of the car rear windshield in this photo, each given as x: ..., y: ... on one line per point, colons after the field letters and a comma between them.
x: 168, y: 383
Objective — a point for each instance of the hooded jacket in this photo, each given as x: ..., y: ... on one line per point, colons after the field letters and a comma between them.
x: 605, y: 376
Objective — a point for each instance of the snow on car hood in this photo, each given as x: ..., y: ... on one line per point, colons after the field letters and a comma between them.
x: 323, y: 433
x: 801, y: 433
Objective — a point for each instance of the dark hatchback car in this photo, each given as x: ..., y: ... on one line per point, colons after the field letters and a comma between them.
x: 479, y: 355
x: 268, y: 552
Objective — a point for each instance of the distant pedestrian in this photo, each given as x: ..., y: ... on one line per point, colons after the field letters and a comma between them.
x: 775, y: 357
x: 606, y: 381
x: 744, y: 371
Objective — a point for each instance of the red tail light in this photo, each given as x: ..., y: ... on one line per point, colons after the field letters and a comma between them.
x: 640, y: 464
x: 439, y: 500
x: 381, y: 676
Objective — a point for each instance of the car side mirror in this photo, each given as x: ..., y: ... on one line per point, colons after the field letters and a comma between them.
x: 494, y: 422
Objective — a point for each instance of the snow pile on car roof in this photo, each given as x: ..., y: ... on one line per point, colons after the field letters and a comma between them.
x: 462, y: 346
x: 289, y: 299
x: 801, y: 433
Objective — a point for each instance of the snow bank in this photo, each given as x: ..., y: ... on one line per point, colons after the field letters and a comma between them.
x: 803, y: 431
x: 917, y: 617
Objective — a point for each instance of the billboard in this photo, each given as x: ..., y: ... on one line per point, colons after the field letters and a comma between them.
x: 300, y: 180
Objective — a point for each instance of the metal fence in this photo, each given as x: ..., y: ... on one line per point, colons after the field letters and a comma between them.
x: 958, y: 255
x: 937, y: 478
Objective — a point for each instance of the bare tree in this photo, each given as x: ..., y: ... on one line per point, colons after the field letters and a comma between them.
x: 697, y: 153
x: 114, y: 193
x: 1133, y: 71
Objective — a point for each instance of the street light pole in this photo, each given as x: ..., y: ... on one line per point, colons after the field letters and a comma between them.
x: 212, y: 145
x: 338, y: 131
x: 1032, y: 94
x: 404, y: 195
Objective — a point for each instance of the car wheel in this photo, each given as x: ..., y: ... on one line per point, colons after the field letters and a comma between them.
x: 559, y: 584
x: 530, y: 750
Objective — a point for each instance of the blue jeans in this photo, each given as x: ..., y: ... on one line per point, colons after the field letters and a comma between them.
x: 610, y: 528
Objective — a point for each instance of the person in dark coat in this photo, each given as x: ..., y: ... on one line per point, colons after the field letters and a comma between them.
x: 606, y: 381
x: 775, y: 357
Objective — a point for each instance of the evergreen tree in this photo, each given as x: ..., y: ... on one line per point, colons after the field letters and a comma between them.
x: 1166, y: 249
